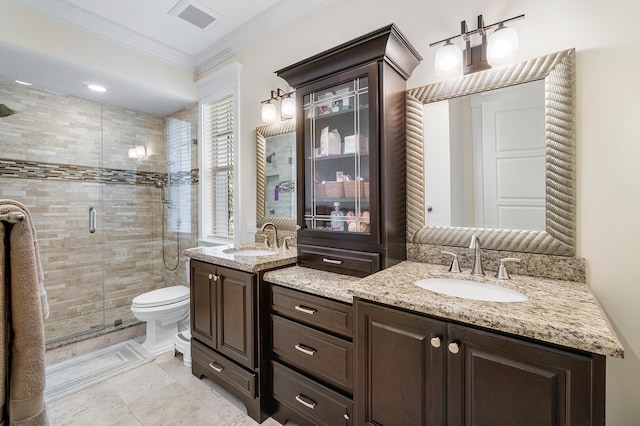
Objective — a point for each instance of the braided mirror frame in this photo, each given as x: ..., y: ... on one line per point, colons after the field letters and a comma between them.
x: 558, y: 71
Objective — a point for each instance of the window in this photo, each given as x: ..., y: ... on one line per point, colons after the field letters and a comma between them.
x: 216, y: 172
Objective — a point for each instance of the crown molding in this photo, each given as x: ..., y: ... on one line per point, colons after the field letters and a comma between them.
x: 277, y: 16
x: 67, y: 13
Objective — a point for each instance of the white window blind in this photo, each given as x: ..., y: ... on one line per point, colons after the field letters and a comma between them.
x: 217, y: 168
x: 179, y: 171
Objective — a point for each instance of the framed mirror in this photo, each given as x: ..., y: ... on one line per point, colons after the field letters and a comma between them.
x: 501, y: 219
x: 275, y: 174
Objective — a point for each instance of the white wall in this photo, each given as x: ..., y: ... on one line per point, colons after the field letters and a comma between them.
x: 607, y: 41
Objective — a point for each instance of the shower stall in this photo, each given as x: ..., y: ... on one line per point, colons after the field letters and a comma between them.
x: 102, y: 227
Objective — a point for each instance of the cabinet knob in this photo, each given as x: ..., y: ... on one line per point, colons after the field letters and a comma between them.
x: 454, y: 348
x: 436, y: 342
x: 210, y: 276
x: 216, y: 277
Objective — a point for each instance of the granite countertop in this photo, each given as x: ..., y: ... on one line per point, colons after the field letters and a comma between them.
x: 560, y: 312
x: 231, y: 257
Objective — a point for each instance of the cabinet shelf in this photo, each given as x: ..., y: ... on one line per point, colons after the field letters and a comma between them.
x: 338, y: 157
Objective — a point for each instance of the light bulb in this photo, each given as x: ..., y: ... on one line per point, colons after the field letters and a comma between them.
x: 133, y: 153
x: 448, y: 60
x: 288, y: 107
x: 502, y: 45
x: 269, y: 112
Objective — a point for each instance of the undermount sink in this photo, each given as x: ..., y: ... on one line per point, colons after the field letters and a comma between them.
x: 249, y: 252
x: 474, y: 290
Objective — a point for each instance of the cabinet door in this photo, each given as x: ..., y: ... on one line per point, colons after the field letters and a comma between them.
x: 236, y: 315
x: 497, y: 380
x: 203, y: 302
x: 400, y: 373
x: 340, y: 167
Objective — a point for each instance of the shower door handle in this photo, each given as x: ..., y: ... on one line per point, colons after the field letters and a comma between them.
x: 92, y: 220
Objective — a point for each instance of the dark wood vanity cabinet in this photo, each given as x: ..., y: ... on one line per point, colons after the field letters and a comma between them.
x: 351, y: 153
x: 224, y: 326
x: 414, y: 370
x: 312, y: 358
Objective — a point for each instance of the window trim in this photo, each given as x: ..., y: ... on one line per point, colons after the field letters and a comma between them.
x: 212, y: 87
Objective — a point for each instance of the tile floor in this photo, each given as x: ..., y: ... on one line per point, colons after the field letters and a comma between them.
x: 162, y: 392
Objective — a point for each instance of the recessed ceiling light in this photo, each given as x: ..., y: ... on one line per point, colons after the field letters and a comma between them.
x: 24, y: 83
x: 96, y: 87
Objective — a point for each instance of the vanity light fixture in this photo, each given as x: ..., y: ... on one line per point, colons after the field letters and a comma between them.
x: 138, y: 152
x: 287, y: 106
x: 501, y: 46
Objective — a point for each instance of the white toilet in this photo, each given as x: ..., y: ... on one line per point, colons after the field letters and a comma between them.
x: 165, y: 311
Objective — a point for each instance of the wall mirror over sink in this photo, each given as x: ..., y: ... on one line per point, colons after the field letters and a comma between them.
x: 493, y: 153
x: 275, y: 174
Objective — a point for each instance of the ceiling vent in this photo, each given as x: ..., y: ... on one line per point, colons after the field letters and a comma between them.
x: 194, y: 13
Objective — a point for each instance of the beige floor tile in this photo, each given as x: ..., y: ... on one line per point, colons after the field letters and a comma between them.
x: 163, y: 392
x: 97, y: 405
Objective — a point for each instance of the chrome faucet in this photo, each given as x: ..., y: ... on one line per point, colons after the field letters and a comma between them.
x: 474, y: 244
x: 275, y: 242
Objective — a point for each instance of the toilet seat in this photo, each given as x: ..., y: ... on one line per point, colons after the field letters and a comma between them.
x: 161, y: 297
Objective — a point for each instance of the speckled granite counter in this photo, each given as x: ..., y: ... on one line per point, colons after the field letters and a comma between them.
x: 237, y: 261
x: 313, y: 281
x: 560, y: 312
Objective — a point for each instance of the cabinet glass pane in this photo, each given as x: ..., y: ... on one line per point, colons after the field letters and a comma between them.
x: 336, y: 151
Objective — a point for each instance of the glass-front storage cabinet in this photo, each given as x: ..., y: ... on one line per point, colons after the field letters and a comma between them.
x: 351, y: 153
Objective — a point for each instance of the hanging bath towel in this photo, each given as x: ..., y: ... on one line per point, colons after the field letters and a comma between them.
x: 23, y: 309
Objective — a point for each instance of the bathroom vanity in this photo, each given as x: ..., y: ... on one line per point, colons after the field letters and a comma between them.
x: 227, y: 322
x: 425, y: 358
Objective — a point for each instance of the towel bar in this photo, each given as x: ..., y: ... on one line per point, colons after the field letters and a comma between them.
x: 12, y: 217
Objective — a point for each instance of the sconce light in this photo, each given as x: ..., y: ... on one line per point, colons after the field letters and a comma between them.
x: 287, y: 106
x: 138, y: 152
x: 502, y: 45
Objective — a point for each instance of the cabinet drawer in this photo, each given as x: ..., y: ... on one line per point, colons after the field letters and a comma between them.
x: 357, y: 263
x: 315, y: 352
x: 220, y: 368
x: 313, y: 310
x: 316, y: 403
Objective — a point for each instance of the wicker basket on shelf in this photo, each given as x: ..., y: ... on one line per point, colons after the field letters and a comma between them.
x: 350, y: 188
x: 320, y: 191
x: 334, y: 189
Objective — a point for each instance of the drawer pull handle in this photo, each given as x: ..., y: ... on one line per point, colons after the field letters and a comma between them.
x: 305, y: 349
x: 216, y: 367
x: 304, y: 309
x: 332, y: 261
x: 307, y: 402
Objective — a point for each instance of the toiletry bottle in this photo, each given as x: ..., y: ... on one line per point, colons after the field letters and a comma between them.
x: 337, y: 224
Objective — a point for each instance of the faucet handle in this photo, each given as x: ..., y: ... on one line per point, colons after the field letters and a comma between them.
x: 502, y: 273
x: 265, y: 240
x: 285, y: 242
x: 455, y: 266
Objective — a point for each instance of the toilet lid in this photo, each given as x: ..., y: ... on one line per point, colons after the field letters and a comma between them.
x: 162, y: 296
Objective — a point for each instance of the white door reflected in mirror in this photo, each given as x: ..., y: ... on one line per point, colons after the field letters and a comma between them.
x: 485, y: 159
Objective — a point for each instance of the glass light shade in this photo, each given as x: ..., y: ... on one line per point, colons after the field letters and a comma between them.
x: 502, y: 45
x: 448, y: 60
x: 269, y: 112
x: 133, y: 153
x: 288, y: 107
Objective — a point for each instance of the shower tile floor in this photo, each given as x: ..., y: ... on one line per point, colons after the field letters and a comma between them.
x: 162, y: 392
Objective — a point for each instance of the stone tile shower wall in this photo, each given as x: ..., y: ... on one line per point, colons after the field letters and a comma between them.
x: 62, y: 154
